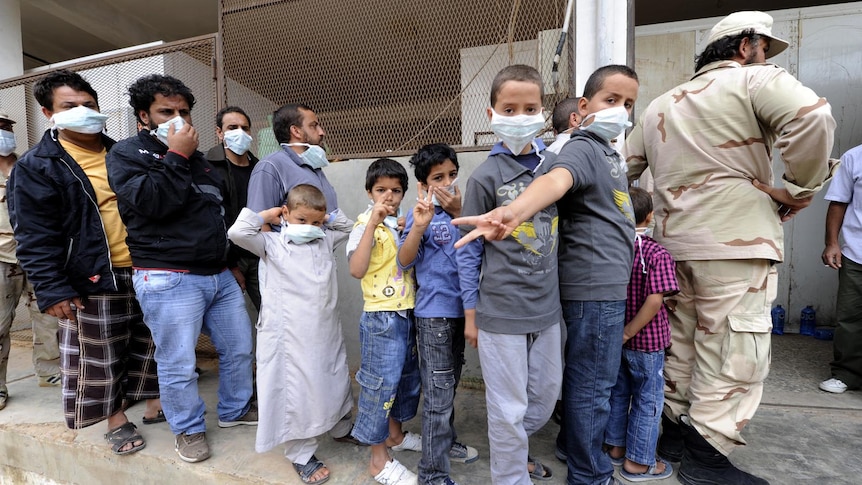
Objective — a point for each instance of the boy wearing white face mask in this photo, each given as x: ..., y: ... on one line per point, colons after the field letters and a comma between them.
x: 299, y: 336
x: 589, y: 186
x: 233, y: 159
x: 512, y: 310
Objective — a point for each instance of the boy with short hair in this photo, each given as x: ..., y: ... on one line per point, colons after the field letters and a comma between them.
x: 596, y: 228
x: 388, y: 374
x: 299, y: 336
x: 427, y: 245
x: 633, y: 426
x: 510, y: 288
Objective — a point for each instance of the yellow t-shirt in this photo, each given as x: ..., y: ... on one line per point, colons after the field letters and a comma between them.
x: 94, y: 167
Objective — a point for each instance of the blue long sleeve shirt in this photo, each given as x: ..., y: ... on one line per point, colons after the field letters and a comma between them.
x: 439, y: 293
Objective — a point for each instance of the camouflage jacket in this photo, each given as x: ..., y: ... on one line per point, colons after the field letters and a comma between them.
x: 705, y: 141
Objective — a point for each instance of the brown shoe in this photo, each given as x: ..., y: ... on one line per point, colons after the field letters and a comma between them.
x: 192, y: 447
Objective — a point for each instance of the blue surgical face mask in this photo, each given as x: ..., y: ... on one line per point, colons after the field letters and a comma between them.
x: 237, y: 141
x: 162, y: 131
x: 79, y: 119
x: 608, y: 123
x: 314, y: 156
x: 517, y: 131
x: 300, y: 233
x: 7, y: 143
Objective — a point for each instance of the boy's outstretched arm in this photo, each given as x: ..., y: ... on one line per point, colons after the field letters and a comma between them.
x: 647, y: 312
x: 500, y: 222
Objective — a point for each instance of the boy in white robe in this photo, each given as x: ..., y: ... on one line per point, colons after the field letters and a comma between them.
x: 303, y: 381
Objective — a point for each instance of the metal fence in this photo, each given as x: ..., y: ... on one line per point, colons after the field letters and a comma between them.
x: 192, y: 61
x: 385, y: 77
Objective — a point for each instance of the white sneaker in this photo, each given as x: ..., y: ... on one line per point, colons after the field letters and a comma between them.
x: 833, y: 385
x: 394, y: 473
x: 411, y: 442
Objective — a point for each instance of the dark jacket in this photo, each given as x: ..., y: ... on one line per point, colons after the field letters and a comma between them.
x: 172, y: 206
x: 55, y: 216
x: 233, y: 202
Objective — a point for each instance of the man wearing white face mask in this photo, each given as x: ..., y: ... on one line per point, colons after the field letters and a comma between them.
x: 172, y: 201
x: 300, y: 161
x: 72, y: 244
x: 233, y: 159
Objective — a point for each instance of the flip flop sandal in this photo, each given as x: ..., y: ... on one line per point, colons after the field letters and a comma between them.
x: 309, y: 469
x: 122, y: 435
x: 540, y: 472
x: 650, y: 474
x: 159, y: 418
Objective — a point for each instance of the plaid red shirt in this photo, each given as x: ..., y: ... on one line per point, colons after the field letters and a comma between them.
x: 653, y: 271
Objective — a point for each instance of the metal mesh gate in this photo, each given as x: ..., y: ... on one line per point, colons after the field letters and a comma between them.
x: 385, y: 77
x: 192, y: 61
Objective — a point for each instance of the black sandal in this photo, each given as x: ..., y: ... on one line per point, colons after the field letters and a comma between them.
x: 122, y: 435
x: 309, y: 469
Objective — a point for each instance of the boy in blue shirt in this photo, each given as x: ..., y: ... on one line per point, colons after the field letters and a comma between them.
x: 427, y: 245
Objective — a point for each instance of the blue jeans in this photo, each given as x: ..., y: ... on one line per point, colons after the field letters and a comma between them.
x: 177, y: 306
x: 441, y: 356
x: 594, y: 344
x: 636, y: 405
x: 388, y: 374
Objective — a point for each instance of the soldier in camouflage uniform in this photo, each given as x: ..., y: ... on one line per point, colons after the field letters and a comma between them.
x: 708, y: 144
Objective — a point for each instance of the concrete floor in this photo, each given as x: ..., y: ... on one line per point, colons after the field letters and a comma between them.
x: 800, y: 435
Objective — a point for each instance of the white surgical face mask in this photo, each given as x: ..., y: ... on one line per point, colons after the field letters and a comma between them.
x: 300, y: 233
x: 608, y: 123
x: 449, y: 188
x: 7, y: 143
x: 79, y: 119
x: 313, y: 156
x: 237, y: 141
x: 162, y: 131
x: 517, y: 131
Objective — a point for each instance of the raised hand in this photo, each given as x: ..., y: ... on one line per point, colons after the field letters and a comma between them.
x: 423, y: 212
x: 451, y: 203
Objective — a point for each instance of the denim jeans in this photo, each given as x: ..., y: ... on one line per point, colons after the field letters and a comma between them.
x: 636, y: 405
x: 177, y: 306
x: 388, y: 374
x: 594, y: 344
x: 441, y: 356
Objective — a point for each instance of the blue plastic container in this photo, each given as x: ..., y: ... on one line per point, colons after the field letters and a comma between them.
x: 807, y: 321
x: 779, y: 316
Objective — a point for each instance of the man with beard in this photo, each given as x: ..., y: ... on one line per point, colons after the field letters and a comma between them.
x: 171, y: 199
x: 708, y: 144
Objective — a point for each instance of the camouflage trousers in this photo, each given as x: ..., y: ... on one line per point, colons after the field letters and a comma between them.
x: 720, y: 345
x: 46, y: 350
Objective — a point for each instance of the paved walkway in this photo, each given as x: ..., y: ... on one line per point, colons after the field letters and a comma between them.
x: 800, y: 435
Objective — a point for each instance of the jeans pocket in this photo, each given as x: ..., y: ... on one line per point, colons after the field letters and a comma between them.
x: 148, y: 281
x: 368, y: 380
x: 375, y: 323
x: 443, y: 394
x: 747, y: 349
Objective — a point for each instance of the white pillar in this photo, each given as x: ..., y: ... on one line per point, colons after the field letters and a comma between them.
x: 601, y: 33
x: 11, y: 49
